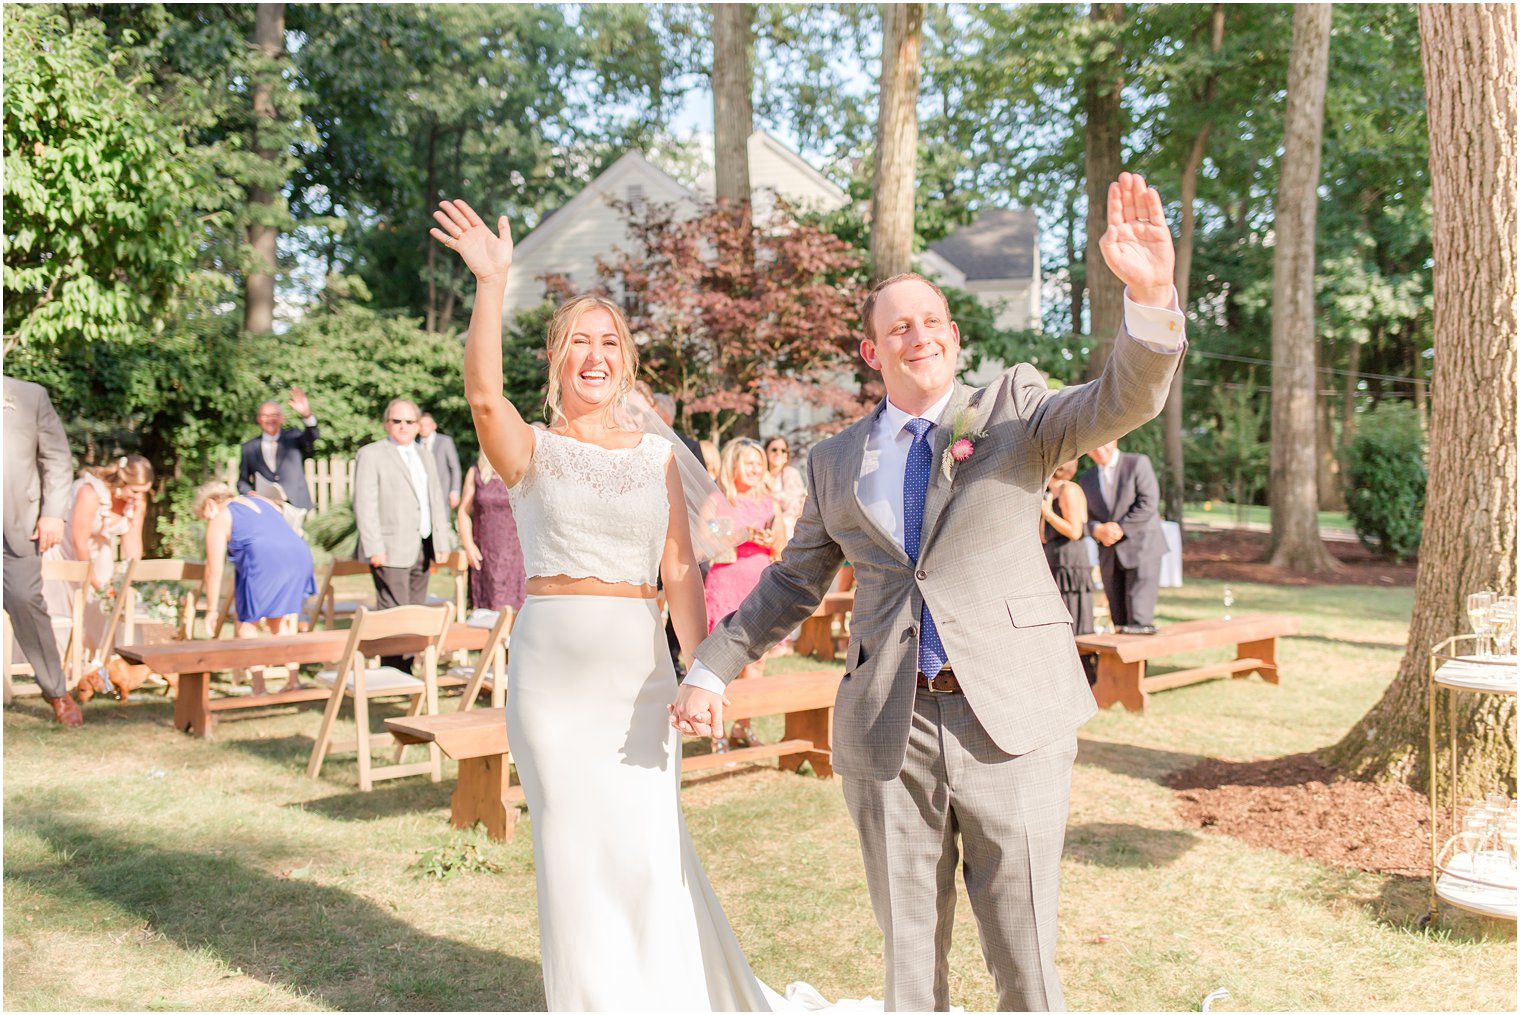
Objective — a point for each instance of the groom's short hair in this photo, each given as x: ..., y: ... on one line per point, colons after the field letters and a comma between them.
x: 868, y: 308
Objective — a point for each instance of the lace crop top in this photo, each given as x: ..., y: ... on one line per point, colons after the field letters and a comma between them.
x: 586, y: 511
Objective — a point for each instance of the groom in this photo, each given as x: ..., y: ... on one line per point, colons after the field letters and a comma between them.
x: 955, y: 725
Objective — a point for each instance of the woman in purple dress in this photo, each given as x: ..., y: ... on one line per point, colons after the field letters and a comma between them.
x: 274, y: 566
x: 488, y: 533
x: 741, y: 477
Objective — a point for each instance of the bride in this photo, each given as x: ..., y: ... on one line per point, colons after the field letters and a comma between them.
x: 627, y: 918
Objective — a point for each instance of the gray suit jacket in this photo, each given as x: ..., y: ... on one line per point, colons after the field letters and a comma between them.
x: 1136, y: 495
x: 447, y: 458
x: 39, y: 467
x: 981, y: 567
x: 386, y: 509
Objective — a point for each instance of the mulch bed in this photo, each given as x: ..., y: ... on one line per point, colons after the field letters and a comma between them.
x: 1237, y: 555
x: 1299, y: 806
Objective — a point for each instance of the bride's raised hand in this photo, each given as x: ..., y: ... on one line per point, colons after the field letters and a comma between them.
x: 485, y: 253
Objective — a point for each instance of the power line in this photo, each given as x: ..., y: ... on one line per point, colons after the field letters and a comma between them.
x: 1324, y: 370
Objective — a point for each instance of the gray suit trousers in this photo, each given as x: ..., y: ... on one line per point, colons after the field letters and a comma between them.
x: 1009, y: 815
x: 29, y: 617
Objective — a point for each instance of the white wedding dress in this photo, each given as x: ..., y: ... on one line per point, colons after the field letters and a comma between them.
x: 627, y: 918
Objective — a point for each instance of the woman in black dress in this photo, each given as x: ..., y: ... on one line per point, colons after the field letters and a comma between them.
x: 1064, y: 521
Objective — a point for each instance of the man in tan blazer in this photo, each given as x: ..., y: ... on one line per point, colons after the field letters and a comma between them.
x: 955, y: 725
x: 401, y: 510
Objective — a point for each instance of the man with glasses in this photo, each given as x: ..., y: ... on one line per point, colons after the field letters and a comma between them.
x: 402, y: 513
x: 273, y: 463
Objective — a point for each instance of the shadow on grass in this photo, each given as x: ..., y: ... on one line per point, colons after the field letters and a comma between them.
x: 1402, y: 903
x: 334, y: 948
x: 1111, y: 844
x: 1129, y: 759
x: 388, y: 799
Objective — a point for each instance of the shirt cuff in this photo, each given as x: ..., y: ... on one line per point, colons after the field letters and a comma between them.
x: 1159, y: 329
x: 310, y: 421
x: 702, y: 677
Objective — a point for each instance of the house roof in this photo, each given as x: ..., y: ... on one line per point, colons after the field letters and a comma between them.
x: 667, y: 188
x: 999, y: 243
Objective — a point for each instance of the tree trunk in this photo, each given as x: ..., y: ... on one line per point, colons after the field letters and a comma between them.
x: 1173, y: 478
x: 1349, y: 393
x: 1077, y: 271
x: 902, y: 31
x: 1332, y: 496
x: 1468, y: 54
x: 1104, y: 160
x: 430, y: 259
x: 1295, y: 502
x: 258, y: 283
x: 733, y: 115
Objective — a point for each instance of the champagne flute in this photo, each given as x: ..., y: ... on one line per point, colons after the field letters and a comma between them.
x: 1501, y: 619
x: 1477, y: 615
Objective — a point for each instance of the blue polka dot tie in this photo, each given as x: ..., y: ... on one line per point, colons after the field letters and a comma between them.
x: 931, y: 652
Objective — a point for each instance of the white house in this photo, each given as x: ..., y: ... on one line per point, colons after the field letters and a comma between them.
x: 995, y: 257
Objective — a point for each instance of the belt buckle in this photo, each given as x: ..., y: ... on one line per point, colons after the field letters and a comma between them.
x: 929, y: 683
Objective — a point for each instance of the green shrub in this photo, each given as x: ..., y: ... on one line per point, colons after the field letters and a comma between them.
x: 1385, y: 480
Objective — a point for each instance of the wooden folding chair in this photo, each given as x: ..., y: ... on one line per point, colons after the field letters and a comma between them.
x: 491, y: 670
x: 77, y: 573
x: 354, y: 677
x: 459, y: 563
x: 121, y: 628
x: 326, y: 601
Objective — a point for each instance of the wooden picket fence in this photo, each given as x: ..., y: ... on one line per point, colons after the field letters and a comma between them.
x: 330, y: 480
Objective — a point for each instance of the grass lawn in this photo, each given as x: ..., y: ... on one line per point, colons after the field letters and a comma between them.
x: 1223, y: 513
x: 147, y: 870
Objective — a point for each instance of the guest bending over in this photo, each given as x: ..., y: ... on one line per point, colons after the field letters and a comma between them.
x: 274, y: 567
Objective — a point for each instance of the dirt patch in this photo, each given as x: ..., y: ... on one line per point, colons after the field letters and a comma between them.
x: 1236, y: 555
x: 1299, y: 806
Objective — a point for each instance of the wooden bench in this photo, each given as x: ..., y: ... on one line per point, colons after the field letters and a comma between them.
x: 478, y: 741
x: 816, y: 637
x: 1122, y: 657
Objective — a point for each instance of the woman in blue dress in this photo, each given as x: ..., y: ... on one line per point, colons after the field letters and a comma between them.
x: 273, y: 566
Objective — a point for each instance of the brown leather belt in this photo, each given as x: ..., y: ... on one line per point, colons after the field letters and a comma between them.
x: 945, y: 683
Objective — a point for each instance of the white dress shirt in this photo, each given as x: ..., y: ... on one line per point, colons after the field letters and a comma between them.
x: 885, y: 463
x: 1109, y: 476
x: 413, y: 460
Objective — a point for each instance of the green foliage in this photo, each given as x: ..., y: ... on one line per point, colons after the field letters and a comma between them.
x: 444, y: 862
x: 1385, y: 479
x: 352, y: 360
x: 1227, y: 456
x: 334, y: 529
x: 102, y: 194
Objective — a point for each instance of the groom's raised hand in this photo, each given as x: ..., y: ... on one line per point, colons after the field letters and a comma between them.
x: 697, y: 712
x: 1137, y: 245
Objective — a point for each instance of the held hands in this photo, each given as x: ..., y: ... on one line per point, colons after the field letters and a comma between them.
x: 1137, y: 245
x: 298, y: 402
x: 1108, y: 533
x: 48, y: 533
x: 697, y: 713
x: 487, y: 254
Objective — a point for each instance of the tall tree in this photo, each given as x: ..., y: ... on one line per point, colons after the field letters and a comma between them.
x: 1468, y: 52
x: 1295, y: 501
x: 733, y: 113
x: 1172, y: 485
x: 263, y: 232
x: 1103, y: 88
x: 896, y: 140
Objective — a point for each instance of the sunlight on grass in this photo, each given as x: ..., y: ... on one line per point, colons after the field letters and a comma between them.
x: 148, y: 870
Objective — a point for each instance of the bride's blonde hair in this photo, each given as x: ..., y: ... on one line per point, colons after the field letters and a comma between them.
x: 560, y: 329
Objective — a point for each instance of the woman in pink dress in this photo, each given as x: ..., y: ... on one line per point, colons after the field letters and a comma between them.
x: 742, y: 478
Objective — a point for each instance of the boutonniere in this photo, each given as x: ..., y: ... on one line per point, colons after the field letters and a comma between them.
x: 962, y: 440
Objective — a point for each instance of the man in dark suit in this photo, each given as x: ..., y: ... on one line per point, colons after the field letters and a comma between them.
x: 272, y: 462
x: 445, y: 454
x: 38, y: 471
x: 1122, y: 494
